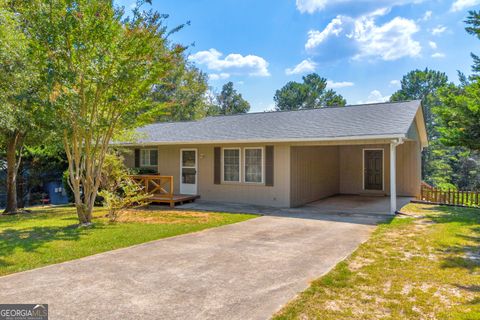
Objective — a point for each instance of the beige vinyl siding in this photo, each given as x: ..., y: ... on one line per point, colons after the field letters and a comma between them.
x: 301, y: 173
x: 259, y: 194
x: 351, y: 168
x: 408, y: 169
x: 314, y: 174
x: 413, y: 132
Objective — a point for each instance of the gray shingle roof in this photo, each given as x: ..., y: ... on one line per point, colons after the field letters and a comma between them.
x: 368, y: 121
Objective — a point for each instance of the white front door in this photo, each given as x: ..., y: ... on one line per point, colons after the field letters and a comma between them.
x: 188, y: 171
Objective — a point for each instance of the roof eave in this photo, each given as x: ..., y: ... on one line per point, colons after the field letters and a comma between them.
x: 291, y: 140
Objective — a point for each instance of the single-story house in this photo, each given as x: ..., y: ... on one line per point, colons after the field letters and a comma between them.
x: 290, y: 158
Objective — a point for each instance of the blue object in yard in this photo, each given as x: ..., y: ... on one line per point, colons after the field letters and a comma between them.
x: 56, y: 192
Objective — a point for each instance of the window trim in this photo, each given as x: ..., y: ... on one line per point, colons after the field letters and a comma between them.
x: 262, y: 165
x: 149, y: 165
x: 239, y: 165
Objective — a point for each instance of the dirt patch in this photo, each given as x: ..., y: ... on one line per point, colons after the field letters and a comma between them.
x: 165, y: 216
x: 387, y: 286
x: 406, y: 289
x: 332, y: 305
x: 359, y: 263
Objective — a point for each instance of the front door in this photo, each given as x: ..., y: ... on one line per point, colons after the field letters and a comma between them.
x: 188, y: 171
x: 373, y: 170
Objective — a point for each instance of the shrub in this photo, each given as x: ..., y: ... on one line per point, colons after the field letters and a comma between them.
x: 118, y: 190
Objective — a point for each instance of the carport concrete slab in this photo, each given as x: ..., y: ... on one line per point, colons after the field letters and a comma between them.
x: 357, y: 204
x: 247, y: 270
x: 347, y: 205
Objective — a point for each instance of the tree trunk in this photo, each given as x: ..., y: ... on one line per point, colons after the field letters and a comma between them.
x: 81, y: 214
x: 20, y: 188
x: 13, y: 144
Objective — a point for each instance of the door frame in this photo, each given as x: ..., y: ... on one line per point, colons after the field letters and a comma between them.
x: 196, y: 168
x: 363, y: 168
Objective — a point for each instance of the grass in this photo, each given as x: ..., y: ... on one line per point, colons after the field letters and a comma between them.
x: 424, y: 266
x: 50, y: 235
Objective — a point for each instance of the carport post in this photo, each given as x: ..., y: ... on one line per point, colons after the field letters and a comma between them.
x: 393, y: 174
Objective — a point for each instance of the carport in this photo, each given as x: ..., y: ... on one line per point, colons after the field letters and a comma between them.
x: 356, y: 177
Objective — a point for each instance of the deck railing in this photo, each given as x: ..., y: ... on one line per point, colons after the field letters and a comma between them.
x: 450, y: 197
x: 156, y: 184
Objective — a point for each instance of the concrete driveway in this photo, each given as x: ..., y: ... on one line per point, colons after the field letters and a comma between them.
x: 247, y: 270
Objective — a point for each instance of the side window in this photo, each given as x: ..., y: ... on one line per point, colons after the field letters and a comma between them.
x: 153, y: 157
x: 253, y: 165
x: 148, y: 157
x: 231, y: 165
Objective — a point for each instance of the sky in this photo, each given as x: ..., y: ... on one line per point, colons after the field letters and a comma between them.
x: 362, y: 47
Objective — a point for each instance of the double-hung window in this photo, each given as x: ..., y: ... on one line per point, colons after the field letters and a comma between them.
x: 148, y: 157
x: 231, y: 165
x: 253, y: 165
x: 250, y: 163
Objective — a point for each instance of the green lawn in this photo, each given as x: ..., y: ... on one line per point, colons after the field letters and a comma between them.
x: 426, y: 266
x: 50, y: 235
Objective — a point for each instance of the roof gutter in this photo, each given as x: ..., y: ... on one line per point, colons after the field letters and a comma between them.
x: 330, y: 139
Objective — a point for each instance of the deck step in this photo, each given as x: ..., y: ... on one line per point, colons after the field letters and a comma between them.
x: 173, y: 200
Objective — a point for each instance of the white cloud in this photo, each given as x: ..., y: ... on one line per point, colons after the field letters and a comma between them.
x: 432, y: 45
x: 303, y: 67
x: 389, y: 41
x: 316, y: 37
x: 233, y: 63
x: 395, y: 83
x: 460, y: 5
x: 438, y: 55
x: 218, y: 76
x: 374, y: 97
x: 427, y: 16
x: 342, y: 84
x: 312, y: 6
x: 438, y: 30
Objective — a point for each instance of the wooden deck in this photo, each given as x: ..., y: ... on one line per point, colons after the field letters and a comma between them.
x: 161, y: 189
x: 174, y: 199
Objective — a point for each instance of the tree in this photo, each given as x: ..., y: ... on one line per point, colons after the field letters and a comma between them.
x: 425, y: 85
x: 291, y: 97
x: 310, y: 94
x: 101, y: 71
x: 184, y: 93
x: 460, y: 116
x: 21, y: 114
x: 473, y: 28
x: 459, y: 112
x: 230, y: 101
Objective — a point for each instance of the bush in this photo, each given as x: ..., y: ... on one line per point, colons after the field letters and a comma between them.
x: 143, y: 171
x: 117, y: 188
x: 446, y: 186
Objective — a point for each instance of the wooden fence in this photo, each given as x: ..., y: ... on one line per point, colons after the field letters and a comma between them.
x: 449, y: 197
